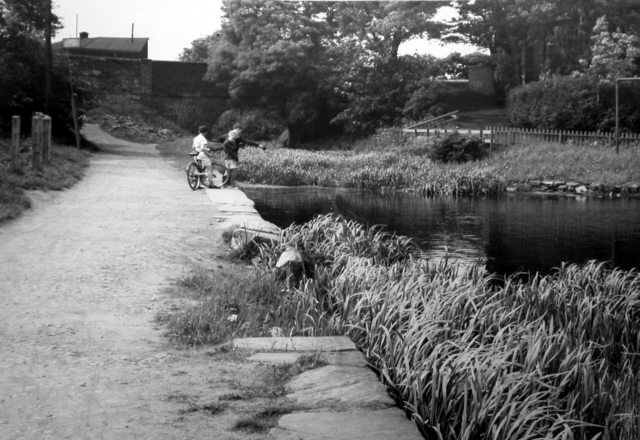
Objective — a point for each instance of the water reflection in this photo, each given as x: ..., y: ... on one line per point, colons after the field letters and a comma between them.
x: 516, y: 232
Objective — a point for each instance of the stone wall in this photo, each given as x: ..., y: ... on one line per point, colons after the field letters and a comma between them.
x: 141, y: 77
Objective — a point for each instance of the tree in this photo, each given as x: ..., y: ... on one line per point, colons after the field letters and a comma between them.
x: 529, y: 39
x: 201, y: 49
x: 22, y: 65
x: 614, y: 54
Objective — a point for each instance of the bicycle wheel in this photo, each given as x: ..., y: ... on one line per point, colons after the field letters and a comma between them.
x: 220, y: 175
x: 193, y: 179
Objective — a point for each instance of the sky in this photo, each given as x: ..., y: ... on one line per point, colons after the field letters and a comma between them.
x: 171, y: 25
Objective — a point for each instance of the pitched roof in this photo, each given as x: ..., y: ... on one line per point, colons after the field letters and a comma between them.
x: 112, y: 44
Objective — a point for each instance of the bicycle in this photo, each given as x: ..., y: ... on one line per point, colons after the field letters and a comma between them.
x: 197, y: 173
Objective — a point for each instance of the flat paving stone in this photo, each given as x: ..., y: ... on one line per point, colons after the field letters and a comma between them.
x: 296, y: 343
x: 352, y: 386
x: 386, y: 424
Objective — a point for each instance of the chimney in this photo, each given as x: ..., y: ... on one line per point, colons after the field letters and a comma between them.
x: 84, y: 35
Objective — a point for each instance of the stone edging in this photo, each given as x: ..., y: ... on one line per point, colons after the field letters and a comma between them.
x: 574, y: 187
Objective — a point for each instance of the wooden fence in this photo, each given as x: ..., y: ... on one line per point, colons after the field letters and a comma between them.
x: 512, y: 135
x: 40, y: 143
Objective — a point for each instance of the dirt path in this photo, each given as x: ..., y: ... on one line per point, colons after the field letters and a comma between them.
x: 81, y: 278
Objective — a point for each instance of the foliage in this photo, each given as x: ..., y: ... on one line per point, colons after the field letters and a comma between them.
x: 573, y: 103
x: 66, y: 168
x: 559, y: 32
x: 256, y: 123
x: 22, y: 58
x: 312, y: 63
x: 554, y: 357
x: 456, y: 147
x: 614, y: 54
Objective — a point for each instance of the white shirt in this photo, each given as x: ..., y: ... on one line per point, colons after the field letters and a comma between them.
x: 199, y: 143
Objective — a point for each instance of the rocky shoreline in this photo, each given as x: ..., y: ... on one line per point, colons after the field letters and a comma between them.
x: 577, y: 188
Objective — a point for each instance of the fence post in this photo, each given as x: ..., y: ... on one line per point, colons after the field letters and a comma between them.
x: 16, y: 159
x: 36, y: 132
x: 46, y: 139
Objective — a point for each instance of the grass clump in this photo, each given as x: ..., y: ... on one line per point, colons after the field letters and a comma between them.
x: 66, y: 168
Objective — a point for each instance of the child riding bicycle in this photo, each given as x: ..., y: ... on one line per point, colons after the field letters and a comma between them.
x: 200, y: 145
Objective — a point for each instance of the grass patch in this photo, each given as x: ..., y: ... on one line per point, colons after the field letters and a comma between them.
x: 66, y: 168
x: 588, y: 163
x: 389, y: 162
x: 263, y: 420
x: 271, y: 384
x: 209, y: 408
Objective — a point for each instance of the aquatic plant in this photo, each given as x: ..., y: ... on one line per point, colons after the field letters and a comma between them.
x: 553, y: 357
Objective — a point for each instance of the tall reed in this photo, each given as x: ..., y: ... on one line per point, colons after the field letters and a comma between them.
x: 554, y: 357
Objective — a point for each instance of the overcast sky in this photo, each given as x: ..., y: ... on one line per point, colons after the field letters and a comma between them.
x: 170, y: 25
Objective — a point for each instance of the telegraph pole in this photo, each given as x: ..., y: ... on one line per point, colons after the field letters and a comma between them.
x: 48, y: 65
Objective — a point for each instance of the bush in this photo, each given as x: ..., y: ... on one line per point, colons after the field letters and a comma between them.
x: 458, y: 148
x: 567, y: 103
x: 256, y: 123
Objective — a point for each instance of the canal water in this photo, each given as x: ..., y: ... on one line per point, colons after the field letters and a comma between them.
x: 514, y: 233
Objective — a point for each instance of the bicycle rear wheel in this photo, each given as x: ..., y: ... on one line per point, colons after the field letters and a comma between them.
x: 220, y: 175
x: 193, y: 178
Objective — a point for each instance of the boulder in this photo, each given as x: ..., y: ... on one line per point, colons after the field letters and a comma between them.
x: 293, y: 264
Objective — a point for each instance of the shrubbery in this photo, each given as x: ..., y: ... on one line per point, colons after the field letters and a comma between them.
x: 458, y: 148
x: 568, y: 103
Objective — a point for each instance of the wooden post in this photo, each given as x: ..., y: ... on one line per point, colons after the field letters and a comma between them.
x: 74, y: 114
x: 36, y: 132
x: 46, y: 140
x: 16, y: 159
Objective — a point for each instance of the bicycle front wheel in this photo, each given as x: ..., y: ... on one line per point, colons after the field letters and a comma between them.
x: 193, y: 178
x: 220, y: 175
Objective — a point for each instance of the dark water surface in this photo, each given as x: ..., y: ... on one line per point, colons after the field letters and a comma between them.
x: 510, y: 234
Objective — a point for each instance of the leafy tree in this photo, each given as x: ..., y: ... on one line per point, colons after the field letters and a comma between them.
x: 529, y: 39
x: 200, y: 49
x: 22, y: 58
x: 614, y: 54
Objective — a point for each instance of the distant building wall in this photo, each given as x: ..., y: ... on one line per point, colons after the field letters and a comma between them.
x: 141, y: 76
x: 178, y: 78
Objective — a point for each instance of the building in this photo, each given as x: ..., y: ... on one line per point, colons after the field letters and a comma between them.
x: 108, y: 47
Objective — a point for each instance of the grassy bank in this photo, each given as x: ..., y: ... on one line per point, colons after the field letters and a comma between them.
x: 66, y: 168
x: 386, y: 162
x: 554, y: 357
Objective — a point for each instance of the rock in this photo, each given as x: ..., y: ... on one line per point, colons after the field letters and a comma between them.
x: 289, y: 256
x: 572, y: 185
x: 562, y: 187
x: 294, y: 264
x: 581, y: 189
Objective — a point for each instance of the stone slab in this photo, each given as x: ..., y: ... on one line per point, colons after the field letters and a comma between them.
x: 296, y: 343
x: 352, y: 386
x: 383, y: 424
x: 346, y: 358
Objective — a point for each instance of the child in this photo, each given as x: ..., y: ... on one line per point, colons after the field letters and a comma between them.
x: 200, y: 145
x: 231, y: 144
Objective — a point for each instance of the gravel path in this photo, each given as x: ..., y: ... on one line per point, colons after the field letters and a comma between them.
x: 81, y: 278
